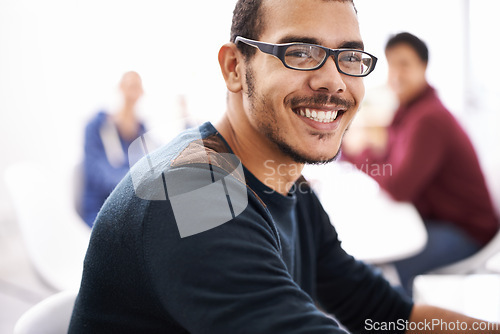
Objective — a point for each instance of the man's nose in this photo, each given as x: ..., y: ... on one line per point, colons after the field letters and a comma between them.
x: 328, y: 78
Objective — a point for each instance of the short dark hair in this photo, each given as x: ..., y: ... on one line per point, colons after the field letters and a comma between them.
x: 411, y: 40
x: 248, y: 22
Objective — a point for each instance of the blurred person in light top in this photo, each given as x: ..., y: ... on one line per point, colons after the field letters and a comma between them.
x: 107, y: 138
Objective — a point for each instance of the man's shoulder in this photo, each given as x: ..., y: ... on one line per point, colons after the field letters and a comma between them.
x: 195, y: 155
x: 94, y: 125
x: 431, y: 106
x: 97, y: 119
x: 195, y: 173
x: 430, y: 114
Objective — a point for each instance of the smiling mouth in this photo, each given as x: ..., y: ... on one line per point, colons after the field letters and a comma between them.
x: 321, y: 116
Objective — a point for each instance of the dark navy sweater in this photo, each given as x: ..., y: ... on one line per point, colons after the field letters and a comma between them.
x: 275, y: 266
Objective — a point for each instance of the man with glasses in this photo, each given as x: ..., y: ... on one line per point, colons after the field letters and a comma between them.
x: 217, y: 232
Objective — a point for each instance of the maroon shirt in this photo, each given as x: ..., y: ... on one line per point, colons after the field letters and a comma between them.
x: 431, y: 163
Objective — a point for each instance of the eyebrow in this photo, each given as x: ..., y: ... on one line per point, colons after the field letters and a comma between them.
x: 352, y: 45
x: 358, y: 45
x: 298, y: 39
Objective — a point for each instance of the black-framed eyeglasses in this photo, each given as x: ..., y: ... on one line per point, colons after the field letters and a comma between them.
x: 308, y: 57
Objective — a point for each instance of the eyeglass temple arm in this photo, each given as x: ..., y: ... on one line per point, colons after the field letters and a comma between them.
x: 262, y: 46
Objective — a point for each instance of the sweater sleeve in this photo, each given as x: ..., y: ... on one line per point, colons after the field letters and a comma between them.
x: 355, y: 293
x: 228, y: 279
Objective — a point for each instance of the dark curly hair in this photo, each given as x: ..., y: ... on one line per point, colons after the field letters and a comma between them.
x: 248, y: 22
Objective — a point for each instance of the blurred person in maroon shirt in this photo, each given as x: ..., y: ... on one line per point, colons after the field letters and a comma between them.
x: 433, y: 165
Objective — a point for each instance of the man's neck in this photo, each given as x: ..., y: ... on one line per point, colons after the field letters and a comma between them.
x: 416, y: 94
x: 259, y: 155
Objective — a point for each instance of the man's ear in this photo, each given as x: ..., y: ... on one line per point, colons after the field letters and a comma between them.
x: 232, y: 67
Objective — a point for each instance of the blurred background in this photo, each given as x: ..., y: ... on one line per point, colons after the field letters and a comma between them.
x: 61, y: 60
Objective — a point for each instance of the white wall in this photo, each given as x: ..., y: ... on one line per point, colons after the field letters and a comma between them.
x: 438, y: 23
x: 61, y: 60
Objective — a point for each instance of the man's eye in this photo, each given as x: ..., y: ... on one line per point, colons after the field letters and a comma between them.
x: 351, y: 58
x: 298, y: 54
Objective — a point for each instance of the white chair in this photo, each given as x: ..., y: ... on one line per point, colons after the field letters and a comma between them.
x: 50, y: 316
x: 77, y: 188
x: 56, y: 237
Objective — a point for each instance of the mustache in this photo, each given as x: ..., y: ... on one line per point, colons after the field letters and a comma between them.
x: 319, y: 100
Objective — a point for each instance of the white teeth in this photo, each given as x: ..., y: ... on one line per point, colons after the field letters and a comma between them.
x: 318, y: 115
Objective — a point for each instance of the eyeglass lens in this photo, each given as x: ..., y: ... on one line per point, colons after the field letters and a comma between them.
x: 310, y: 56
